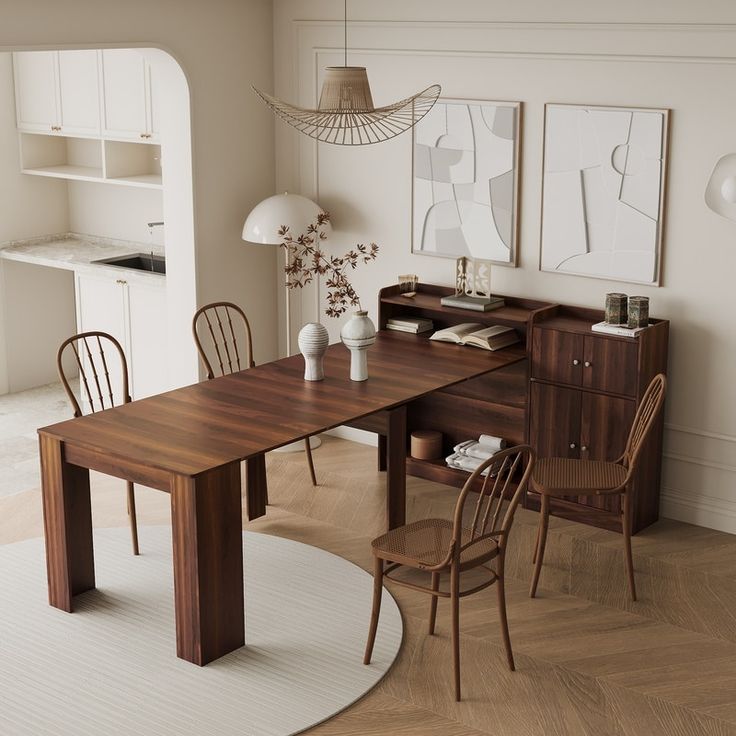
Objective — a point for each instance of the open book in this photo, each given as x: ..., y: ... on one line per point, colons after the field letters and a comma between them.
x: 472, y: 333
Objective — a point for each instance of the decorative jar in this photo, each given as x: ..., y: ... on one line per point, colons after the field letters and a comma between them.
x: 358, y: 334
x: 313, y: 341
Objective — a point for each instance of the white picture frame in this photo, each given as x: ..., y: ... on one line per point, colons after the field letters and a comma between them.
x: 603, y: 192
x: 465, y: 180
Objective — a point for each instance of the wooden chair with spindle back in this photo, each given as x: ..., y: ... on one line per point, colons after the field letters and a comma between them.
x: 440, y: 546
x: 558, y: 477
x: 91, y: 351
x: 224, y: 351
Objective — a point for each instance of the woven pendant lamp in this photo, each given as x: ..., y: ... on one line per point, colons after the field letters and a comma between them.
x: 346, y: 116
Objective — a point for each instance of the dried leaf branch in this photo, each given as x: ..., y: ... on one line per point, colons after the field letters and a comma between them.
x: 307, y: 260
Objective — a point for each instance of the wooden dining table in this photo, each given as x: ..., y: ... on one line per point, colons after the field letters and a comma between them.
x: 190, y: 442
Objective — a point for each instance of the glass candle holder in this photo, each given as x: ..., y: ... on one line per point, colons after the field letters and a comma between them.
x: 638, y: 311
x: 616, y: 308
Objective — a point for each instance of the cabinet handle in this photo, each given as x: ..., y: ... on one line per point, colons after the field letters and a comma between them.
x: 572, y: 445
x: 576, y: 362
x: 120, y: 281
x: 588, y: 364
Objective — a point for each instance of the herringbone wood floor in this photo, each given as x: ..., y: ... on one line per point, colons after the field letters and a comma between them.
x: 589, y: 663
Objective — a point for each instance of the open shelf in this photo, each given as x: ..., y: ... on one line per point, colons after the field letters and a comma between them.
x: 438, y: 471
x: 91, y: 159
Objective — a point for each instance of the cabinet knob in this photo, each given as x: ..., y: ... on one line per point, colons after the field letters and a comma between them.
x: 572, y: 445
x: 588, y: 364
x: 576, y: 362
x: 584, y: 448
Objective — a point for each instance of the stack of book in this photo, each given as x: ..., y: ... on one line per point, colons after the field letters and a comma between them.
x: 620, y: 330
x: 474, y: 303
x: 415, y: 325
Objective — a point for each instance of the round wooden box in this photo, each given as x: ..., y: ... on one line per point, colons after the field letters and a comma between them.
x: 426, y: 444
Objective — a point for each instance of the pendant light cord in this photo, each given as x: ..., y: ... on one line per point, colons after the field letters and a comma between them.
x: 345, y: 16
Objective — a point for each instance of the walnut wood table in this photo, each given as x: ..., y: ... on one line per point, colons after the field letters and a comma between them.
x: 190, y: 442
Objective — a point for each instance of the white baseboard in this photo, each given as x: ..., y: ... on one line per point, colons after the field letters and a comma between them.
x: 355, y: 435
x: 709, y: 512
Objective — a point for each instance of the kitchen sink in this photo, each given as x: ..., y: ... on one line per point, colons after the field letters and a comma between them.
x: 137, y: 261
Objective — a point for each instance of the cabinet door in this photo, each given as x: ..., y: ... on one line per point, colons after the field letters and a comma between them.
x: 604, y: 427
x: 148, y: 352
x: 124, y: 94
x: 79, y: 93
x: 153, y: 98
x: 557, y: 356
x: 610, y: 365
x: 100, y: 307
x: 35, y: 91
x: 554, y: 421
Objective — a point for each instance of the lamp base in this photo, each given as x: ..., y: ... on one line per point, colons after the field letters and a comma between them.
x: 298, y: 446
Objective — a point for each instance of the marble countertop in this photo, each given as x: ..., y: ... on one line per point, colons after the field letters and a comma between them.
x: 75, y: 252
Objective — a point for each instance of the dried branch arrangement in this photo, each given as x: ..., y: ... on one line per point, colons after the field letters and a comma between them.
x: 306, y: 260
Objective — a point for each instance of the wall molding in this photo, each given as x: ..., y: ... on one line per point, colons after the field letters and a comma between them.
x: 700, y: 432
x: 717, y: 514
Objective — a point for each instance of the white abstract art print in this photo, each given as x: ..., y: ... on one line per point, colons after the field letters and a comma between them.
x: 603, y: 192
x: 465, y: 180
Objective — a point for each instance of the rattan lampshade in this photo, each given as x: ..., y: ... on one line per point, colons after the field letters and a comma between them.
x: 345, y: 114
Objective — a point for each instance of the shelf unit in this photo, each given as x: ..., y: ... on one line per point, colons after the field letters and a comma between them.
x: 494, y: 403
x: 571, y: 393
x: 90, y: 159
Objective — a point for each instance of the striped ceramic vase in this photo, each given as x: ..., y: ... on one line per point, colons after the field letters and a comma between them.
x: 313, y: 342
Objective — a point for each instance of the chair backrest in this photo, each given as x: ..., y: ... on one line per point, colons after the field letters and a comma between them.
x: 92, y: 353
x: 649, y: 408
x: 216, y: 327
x: 508, y: 474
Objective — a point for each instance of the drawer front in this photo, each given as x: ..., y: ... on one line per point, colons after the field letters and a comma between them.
x: 610, y: 365
x: 554, y: 421
x: 557, y: 356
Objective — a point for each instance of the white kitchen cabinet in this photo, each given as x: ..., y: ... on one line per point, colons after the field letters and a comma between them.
x: 79, y: 93
x: 57, y: 92
x: 36, y: 105
x: 135, y: 314
x: 127, y: 104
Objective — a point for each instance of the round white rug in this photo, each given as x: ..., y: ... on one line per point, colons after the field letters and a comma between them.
x: 111, y: 666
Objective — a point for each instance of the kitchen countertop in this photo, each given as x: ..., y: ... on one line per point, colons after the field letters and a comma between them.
x: 75, y: 252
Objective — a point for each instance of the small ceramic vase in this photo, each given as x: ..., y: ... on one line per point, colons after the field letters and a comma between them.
x: 313, y: 342
x: 358, y: 334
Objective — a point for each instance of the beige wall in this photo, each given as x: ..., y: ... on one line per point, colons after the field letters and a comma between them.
x: 618, y: 54
x: 222, y: 46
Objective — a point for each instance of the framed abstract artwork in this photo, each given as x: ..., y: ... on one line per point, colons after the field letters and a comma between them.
x: 466, y: 180
x: 603, y: 191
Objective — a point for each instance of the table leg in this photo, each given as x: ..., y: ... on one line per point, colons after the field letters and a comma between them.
x: 67, y: 520
x: 382, y: 446
x: 208, y: 564
x: 256, y: 486
x: 396, y: 468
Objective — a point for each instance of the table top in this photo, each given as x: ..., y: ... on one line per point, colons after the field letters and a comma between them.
x: 193, y: 429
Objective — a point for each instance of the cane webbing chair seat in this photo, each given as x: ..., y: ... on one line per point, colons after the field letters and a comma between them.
x: 447, y: 547
x: 558, y: 475
x: 425, y: 543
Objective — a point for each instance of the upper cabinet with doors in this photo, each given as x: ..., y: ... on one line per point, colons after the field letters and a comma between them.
x: 57, y: 92
x: 129, y: 112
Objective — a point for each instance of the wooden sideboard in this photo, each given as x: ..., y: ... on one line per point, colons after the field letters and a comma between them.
x: 572, y: 393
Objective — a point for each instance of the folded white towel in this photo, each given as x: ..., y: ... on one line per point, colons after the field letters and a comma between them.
x: 463, y: 462
x: 492, y: 443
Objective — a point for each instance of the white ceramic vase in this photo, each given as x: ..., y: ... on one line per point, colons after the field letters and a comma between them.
x: 313, y: 342
x: 358, y: 334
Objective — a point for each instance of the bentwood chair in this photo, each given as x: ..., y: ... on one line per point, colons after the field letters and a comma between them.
x: 443, y: 547
x: 555, y: 477
x: 91, y: 351
x: 221, y: 323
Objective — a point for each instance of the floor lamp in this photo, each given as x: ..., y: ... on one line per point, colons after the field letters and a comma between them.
x: 262, y: 227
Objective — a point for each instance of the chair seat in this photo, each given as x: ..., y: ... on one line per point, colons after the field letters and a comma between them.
x: 427, y: 542
x: 560, y: 474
